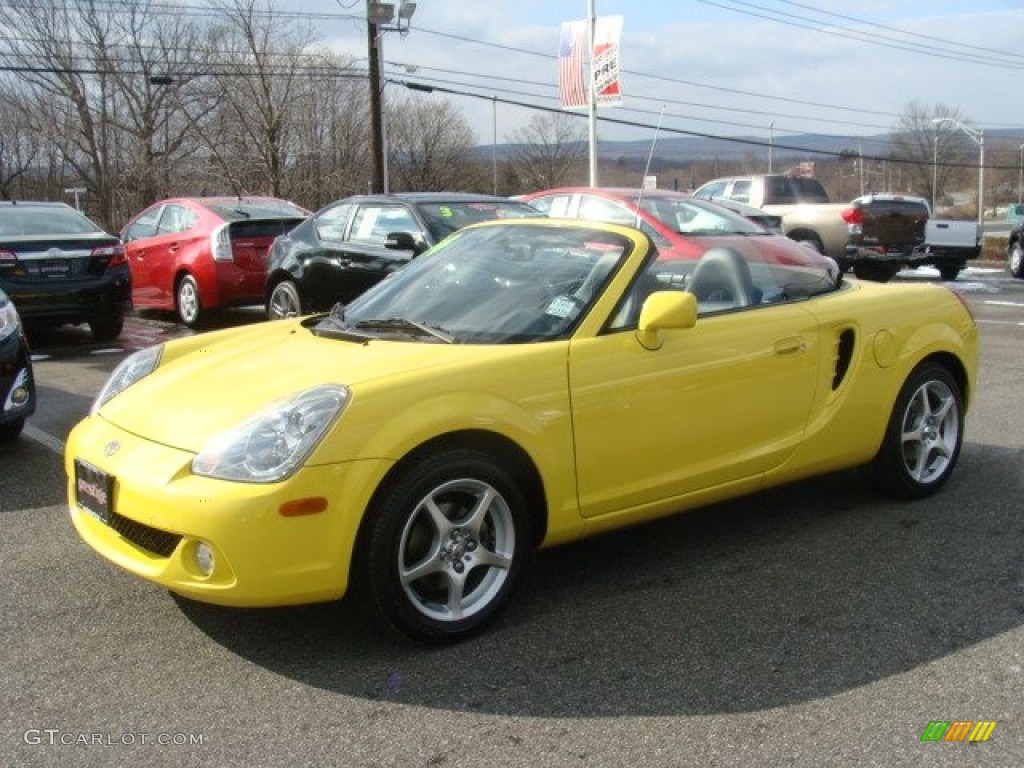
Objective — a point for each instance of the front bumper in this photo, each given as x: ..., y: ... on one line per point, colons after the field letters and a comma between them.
x: 162, y: 512
x: 17, y: 384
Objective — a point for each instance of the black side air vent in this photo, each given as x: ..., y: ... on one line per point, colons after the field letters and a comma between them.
x: 844, y: 353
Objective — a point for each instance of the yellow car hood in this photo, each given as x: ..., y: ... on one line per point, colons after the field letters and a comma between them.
x: 219, y: 384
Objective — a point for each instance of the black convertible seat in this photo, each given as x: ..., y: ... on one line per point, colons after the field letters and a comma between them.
x: 722, y: 276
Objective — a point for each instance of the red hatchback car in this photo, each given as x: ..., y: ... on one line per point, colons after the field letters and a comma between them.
x: 192, y: 255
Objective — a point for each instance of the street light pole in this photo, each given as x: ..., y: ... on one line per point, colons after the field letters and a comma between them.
x: 978, y: 136
x: 1020, y: 173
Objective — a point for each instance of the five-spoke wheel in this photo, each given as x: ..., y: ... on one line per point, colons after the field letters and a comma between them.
x: 1016, y: 260
x: 925, y: 432
x: 444, y: 547
x: 284, y: 301
x: 187, y: 301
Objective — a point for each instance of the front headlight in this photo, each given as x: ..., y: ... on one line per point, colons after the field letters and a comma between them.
x: 273, y: 444
x: 132, y: 368
x: 9, y: 321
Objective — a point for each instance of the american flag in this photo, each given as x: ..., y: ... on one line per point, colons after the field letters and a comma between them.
x: 572, y: 46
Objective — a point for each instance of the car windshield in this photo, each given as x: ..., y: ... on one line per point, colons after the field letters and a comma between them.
x: 490, y: 285
x: 234, y: 210
x: 445, y: 217
x: 44, y: 220
x: 692, y: 216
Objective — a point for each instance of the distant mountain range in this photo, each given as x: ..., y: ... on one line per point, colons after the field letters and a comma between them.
x: 804, y: 146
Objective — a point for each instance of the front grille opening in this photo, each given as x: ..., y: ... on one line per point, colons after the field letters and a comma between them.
x: 152, y: 540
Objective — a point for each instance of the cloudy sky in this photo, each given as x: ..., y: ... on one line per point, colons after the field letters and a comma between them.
x: 720, y: 67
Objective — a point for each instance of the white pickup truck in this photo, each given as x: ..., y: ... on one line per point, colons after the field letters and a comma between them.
x: 948, y: 245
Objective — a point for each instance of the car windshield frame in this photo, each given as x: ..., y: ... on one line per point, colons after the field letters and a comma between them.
x: 504, y: 284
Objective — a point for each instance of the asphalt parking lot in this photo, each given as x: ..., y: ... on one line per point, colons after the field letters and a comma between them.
x: 813, y: 625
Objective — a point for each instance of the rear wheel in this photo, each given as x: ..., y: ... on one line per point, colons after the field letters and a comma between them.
x: 879, y: 273
x: 1016, y: 260
x: 812, y: 240
x: 190, y: 309
x: 284, y: 301
x: 107, y: 327
x: 950, y: 271
x: 922, y: 441
x: 445, y: 546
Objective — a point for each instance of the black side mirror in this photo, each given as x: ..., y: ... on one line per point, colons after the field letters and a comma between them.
x: 401, y: 241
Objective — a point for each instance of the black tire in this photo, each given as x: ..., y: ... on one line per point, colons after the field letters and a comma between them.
x: 107, y: 327
x: 1015, y: 260
x: 923, y: 438
x: 284, y: 301
x: 430, y: 577
x: 11, y: 430
x: 186, y: 300
x: 878, y: 273
x: 948, y: 272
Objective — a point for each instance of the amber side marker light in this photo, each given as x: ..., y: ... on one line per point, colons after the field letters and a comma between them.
x: 299, y: 507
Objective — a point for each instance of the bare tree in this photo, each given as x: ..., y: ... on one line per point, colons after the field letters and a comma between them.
x: 550, y: 150
x: 330, y: 151
x: 262, y: 71
x: 20, y: 145
x: 87, y: 88
x: 930, y: 147
x: 430, y: 145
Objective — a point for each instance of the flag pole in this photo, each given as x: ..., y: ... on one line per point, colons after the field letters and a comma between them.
x: 592, y: 89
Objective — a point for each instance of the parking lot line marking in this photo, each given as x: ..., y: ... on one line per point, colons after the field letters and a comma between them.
x: 44, y: 438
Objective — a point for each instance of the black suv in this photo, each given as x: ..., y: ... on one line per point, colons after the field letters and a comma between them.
x: 346, y: 247
x: 59, y: 267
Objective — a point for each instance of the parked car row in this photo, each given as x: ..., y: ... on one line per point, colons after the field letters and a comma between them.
x: 193, y: 256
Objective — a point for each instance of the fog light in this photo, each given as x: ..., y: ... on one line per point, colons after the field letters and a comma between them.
x: 204, y: 559
x: 19, y: 396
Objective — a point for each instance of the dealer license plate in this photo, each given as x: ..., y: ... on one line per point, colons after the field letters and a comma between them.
x: 94, y: 490
x: 55, y: 268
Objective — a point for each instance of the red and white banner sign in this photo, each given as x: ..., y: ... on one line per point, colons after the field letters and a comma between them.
x: 572, y: 63
x: 607, y: 85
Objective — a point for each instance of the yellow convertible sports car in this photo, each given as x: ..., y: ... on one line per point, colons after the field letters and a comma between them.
x: 522, y: 384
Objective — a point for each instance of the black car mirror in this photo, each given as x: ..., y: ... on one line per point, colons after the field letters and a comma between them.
x: 401, y: 241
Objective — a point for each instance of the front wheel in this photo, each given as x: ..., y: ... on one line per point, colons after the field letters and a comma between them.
x: 948, y: 272
x: 923, y: 438
x: 1016, y: 260
x: 11, y: 429
x: 284, y: 301
x: 190, y: 309
x: 445, y: 545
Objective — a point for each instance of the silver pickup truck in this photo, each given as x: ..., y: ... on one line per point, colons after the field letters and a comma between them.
x: 948, y: 245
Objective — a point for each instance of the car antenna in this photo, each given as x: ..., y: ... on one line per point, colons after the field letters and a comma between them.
x: 647, y: 167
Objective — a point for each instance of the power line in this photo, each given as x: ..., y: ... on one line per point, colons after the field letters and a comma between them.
x: 992, y: 58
